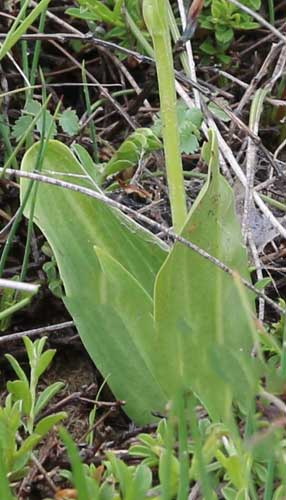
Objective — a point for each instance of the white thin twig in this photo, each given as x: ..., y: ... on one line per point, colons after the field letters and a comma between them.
x: 259, y: 274
x: 35, y: 331
x: 279, y: 149
x: 274, y: 400
x: 21, y: 72
x: 18, y: 285
x: 189, y: 50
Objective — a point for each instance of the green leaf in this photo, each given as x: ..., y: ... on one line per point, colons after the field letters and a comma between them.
x: 263, y: 283
x: 196, y: 302
x: 208, y: 48
x: 280, y: 493
x: 242, y: 494
x: 189, y: 122
x: 132, y: 308
x: 102, y: 12
x: 142, y: 481
x: 224, y: 58
x: 188, y: 141
x: 91, y: 169
x: 30, y: 347
x: 81, y: 14
x: 24, y: 453
x: 20, y: 126
x: 15, y: 34
x: 229, y: 493
x: 73, y: 225
x: 5, y: 491
x: 139, y: 143
x: 248, y: 25
x: 235, y: 469
x: 218, y: 112
x: 44, y: 362
x: 78, y: 475
x: 47, y: 395
x: 46, y: 120
x: 21, y: 392
x: 16, y: 367
x: 45, y: 425
x: 69, y: 122
x: 169, y: 472
x: 225, y: 36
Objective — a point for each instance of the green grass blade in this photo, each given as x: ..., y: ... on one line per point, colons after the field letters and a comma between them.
x: 14, y: 35
x: 78, y: 476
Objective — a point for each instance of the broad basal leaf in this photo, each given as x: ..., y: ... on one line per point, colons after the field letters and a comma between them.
x: 199, y: 316
x: 73, y: 225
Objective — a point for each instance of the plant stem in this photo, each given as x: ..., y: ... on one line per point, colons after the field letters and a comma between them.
x: 88, y: 111
x: 268, y: 492
x: 271, y: 12
x: 156, y: 18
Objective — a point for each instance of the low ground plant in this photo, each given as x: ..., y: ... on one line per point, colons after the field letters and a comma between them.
x: 142, y: 307
x: 169, y: 322
x: 225, y: 19
x: 21, y: 425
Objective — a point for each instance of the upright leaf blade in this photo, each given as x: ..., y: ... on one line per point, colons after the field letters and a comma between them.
x: 197, y: 305
x: 74, y: 224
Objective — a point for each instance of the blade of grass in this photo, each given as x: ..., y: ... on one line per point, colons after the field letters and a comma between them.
x: 15, y: 34
x: 89, y: 112
x: 18, y: 217
x: 15, y: 307
x: 5, y: 133
x: 183, y: 448
x: 198, y: 445
x: 137, y: 33
x: 37, y: 49
x: 44, y: 142
x: 271, y: 12
x: 13, y: 230
x: 77, y: 466
x: 283, y: 354
x: 268, y: 492
x: 165, y: 468
x: 24, y: 43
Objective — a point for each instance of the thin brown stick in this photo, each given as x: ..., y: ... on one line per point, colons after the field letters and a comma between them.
x: 35, y: 331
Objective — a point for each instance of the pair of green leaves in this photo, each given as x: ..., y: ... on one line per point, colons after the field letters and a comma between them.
x: 153, y: 319
x: 68, y: 121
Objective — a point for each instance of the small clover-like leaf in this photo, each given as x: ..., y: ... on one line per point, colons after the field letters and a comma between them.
x: 20, y: 126
x: 45, y: 124
x: 188, y: 141
x: 69, y: 122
